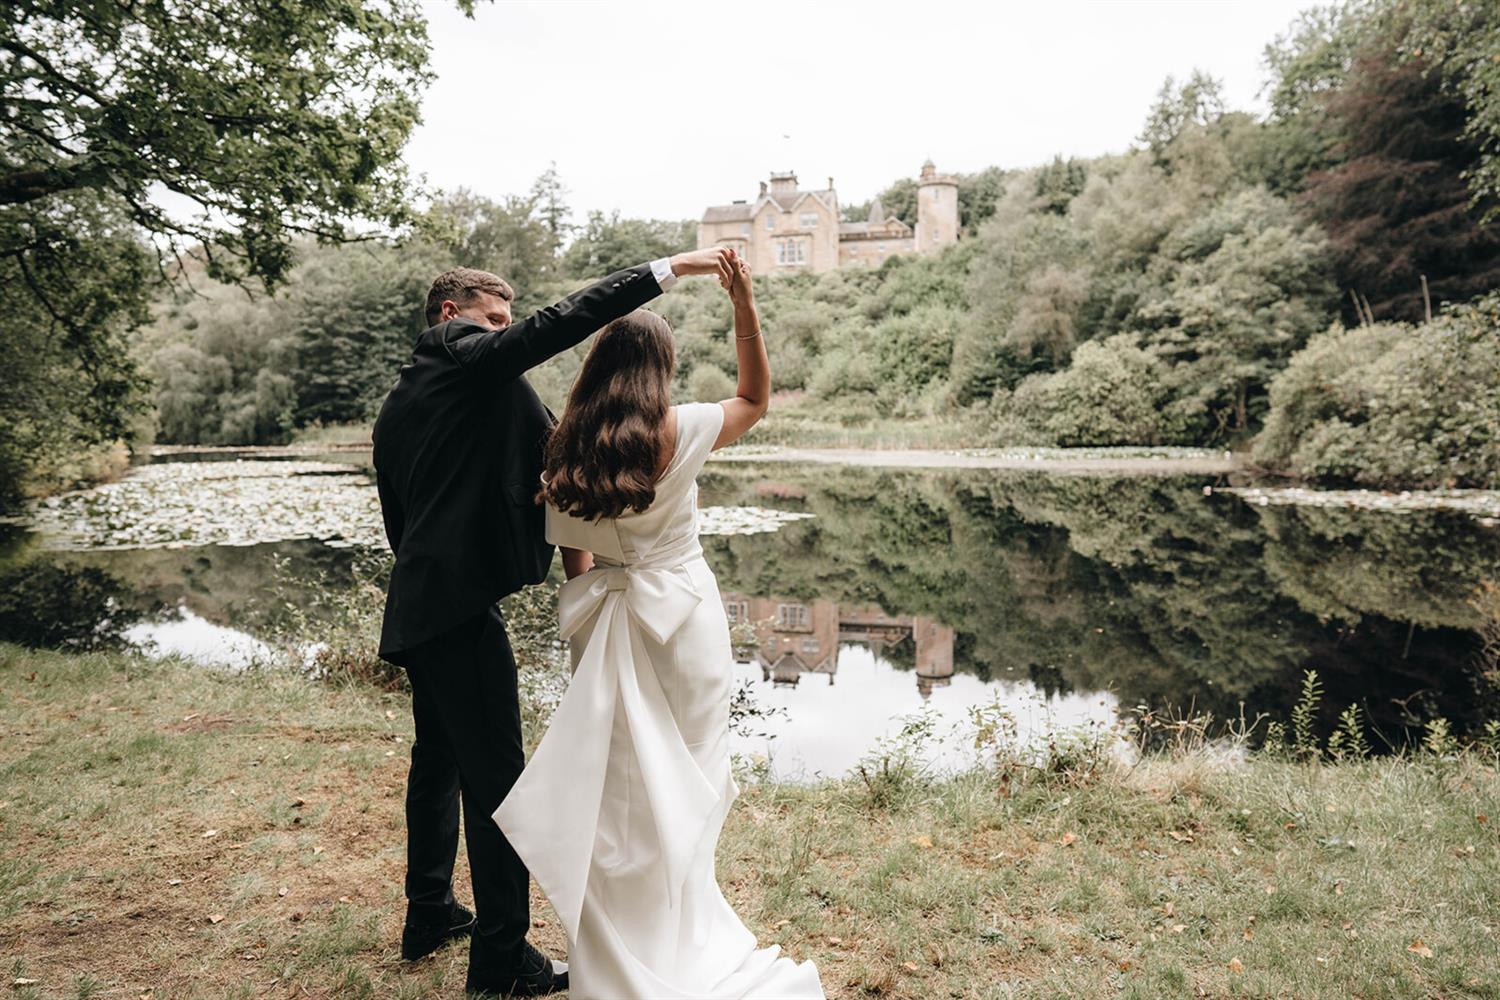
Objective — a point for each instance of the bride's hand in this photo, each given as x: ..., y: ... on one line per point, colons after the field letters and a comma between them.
x: 739, y: 286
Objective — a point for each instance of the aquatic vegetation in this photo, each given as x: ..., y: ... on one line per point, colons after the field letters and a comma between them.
x: 745, y: 520
x: 1096, y: 453
x: 250, y: 502
x: 183, y: 504
x: 1480, y: 503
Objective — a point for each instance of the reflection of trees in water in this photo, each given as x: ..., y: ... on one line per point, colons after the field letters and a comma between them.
x: 1145, y: 587
x: 58, y: 604
x: 901, y: 654
x: 1343, y: 564
x: 249, y: 587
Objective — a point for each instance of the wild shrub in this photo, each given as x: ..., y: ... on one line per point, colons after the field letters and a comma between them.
x: 1112, y: 394
x: 1392, y: 404
x: 894, y: 769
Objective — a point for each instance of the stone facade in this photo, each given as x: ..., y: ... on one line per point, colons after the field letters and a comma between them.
x: 874, y: 240
x: 787, y: 229
x: 937, y: 210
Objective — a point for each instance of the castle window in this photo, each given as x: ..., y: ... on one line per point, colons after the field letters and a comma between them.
x: 737, y: 611
x: 770, y: 220
x: 809, y: 220
x: 937, y: 194
x: 744, y: 229
x: 791, y: 251
x: 809, y: 645
x: 791, y: 616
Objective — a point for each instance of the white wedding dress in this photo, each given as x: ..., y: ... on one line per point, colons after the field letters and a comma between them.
x: 619, y: 811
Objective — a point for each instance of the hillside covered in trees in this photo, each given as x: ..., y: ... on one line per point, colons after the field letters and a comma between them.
x: 1316, y: 284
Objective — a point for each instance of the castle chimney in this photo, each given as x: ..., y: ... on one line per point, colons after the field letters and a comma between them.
x: 762, y: 189
x: 830, y: 183
x: 784, y: 183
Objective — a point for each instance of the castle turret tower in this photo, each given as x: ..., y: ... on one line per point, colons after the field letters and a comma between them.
x: 937, y: 210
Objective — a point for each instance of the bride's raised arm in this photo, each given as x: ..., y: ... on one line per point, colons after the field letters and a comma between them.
x: 753, y: 393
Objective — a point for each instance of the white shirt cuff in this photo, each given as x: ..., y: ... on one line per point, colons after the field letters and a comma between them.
x: 661, y: 270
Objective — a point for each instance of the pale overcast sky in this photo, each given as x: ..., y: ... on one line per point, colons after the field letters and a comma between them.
x: 659, y: 108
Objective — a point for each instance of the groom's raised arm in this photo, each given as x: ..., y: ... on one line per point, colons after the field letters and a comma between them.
x: 508, y: 353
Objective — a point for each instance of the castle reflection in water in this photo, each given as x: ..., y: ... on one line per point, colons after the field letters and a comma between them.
x: 803, y: 637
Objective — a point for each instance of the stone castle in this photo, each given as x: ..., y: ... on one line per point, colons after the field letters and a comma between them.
x: 787, y: 229
x: 795, y: 637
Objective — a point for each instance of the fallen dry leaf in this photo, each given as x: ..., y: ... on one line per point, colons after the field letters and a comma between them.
x: 922, y: 841
x: 1181, y: 838
x: 19, y: 981
x: 778, y: 925
x: 909, y: 966
x: 1249, y: 934
x: 1418, y: 948
x: 1178, y: 928
x: 281, y: 891
x: 1069, y: 839
x: 215, y: 918
x: 209, y: 833
x: 1236, y: 966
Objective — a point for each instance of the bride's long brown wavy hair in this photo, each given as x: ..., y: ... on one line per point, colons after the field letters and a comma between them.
x: 601, y: 458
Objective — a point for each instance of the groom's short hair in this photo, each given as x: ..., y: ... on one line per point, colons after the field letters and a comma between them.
x: 459, y: 285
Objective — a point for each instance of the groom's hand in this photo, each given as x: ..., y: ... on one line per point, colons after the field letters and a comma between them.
x: 718, y: 261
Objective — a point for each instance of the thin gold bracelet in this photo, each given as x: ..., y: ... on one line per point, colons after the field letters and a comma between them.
x: 751, y: 337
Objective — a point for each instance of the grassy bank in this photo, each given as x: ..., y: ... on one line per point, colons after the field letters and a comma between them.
x: 792, y: 423
x: 169, y: 831
x: 796, y: 424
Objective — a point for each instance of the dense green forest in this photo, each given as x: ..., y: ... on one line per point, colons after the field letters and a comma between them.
x: 1316, y: 285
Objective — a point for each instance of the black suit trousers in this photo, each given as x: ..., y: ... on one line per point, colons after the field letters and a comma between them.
x: 468, y: 747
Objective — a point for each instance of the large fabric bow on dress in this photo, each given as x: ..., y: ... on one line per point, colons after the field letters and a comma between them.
x: 551, y: 814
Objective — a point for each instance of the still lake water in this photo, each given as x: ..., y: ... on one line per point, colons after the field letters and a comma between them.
x: 866, y: 595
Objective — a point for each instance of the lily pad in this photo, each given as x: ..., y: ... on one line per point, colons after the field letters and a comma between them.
x: 187, y: 504
x: 1482, y: 504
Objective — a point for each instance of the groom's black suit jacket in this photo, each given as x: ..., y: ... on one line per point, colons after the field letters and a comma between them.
x: 458, y: 454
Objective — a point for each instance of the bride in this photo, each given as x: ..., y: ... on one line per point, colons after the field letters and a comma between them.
x: 619, y: 812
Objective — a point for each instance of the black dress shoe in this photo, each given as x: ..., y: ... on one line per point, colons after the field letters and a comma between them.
x: 421, y: 940
x: 536, y: 977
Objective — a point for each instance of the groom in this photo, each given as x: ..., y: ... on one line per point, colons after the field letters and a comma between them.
x: 458, y: 456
